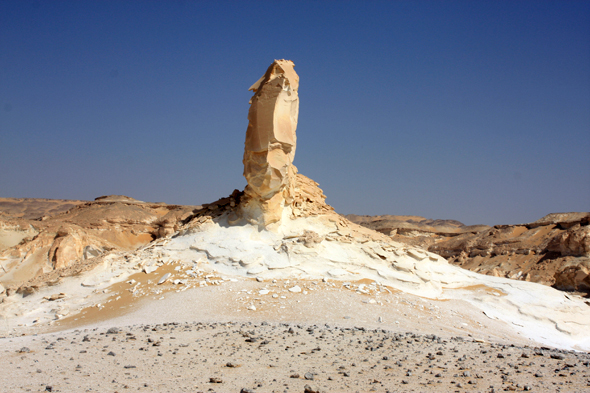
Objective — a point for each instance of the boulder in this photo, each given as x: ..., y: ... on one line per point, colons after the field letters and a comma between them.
x: 574, y: 242
x: 573, y: 278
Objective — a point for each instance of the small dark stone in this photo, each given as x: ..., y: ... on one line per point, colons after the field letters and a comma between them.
x: 294, y: 376
x: 308, y: 376
x: 215, y: 380
x: 557, y: 356
x: 500, y: 356
x: 111, y: 353
x: 244, y: 390
x: 130, y: 367
x: 49, y: 388
x: 113, y: 330
x: 24, y: 350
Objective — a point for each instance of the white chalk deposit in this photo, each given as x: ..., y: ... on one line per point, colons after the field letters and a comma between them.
x: 321, y: 247
x: 538, y: 312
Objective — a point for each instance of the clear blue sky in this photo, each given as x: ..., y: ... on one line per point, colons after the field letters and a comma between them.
x: 471, y: 110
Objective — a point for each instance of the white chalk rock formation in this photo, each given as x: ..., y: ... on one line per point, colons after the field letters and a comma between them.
x: 309, y: 241
x: 270, y: 144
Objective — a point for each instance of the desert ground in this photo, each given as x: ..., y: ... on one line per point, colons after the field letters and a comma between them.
x: 260, y: 335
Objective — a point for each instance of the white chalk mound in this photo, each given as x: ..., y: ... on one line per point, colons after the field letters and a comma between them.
x: 343, y: 251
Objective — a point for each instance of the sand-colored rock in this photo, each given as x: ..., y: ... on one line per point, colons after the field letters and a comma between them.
x: 553, y: 250
x: 416, y: 230
x: 14, y: 231
x: 270, y: 144
x: 574, y: 241
x: 574, y: 278
x: 58, y: 239
x: 34, y: 208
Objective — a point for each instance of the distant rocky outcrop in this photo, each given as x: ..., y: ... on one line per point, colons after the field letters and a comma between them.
x: 53, y: 238
x: 414, y: 226
x: 554, y: 250
x: 34, y: 208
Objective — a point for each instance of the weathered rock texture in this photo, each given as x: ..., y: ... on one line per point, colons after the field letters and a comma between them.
x: 35, y: 208
x: 270, y: 144
x: 554, y: 250
x: 416, y: 230
x: 54, y: 239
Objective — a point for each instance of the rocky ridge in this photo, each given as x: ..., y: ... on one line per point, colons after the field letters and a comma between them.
x: 554, y: 250
x: 62, y: 241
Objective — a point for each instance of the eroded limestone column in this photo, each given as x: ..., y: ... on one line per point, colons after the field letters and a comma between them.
x: 270, y: 144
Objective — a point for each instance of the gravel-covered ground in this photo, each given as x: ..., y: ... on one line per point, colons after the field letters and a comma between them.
x: 262, y: 336
x: 280, y: 357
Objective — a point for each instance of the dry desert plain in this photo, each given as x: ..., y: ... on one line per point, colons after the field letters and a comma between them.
x: 267, y: 336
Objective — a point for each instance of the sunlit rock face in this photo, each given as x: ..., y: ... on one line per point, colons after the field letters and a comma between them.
x: 270, y: 144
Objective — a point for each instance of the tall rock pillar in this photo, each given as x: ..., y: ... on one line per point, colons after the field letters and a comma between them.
x: 270, y: 144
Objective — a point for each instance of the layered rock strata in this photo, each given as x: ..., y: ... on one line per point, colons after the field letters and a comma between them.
x: 270, y: 144
x: 554, y: 250
x: 59, y: 242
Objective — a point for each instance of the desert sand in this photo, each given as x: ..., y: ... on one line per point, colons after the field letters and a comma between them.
x: 326, y: 337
